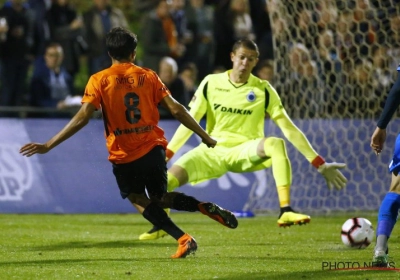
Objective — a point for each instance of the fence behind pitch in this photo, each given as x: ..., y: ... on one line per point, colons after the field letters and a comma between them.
x: 77, y: 178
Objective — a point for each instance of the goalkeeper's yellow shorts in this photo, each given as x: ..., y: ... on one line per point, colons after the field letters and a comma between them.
x: 203, y: 163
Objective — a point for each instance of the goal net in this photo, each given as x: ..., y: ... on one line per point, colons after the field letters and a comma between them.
x: 335, y: 62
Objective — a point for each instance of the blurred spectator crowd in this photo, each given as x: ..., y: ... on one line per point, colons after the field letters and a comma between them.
x: 335, y: 58
x: 41, y: 44
x: 326, y: 58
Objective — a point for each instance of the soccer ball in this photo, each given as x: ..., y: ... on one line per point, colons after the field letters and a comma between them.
x: 357, y: 233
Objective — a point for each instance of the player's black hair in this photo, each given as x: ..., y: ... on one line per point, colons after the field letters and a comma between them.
x: 245, y: 43
x: 120, y: 43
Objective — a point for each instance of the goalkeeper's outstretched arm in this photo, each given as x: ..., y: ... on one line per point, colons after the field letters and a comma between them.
x: 295, y: 136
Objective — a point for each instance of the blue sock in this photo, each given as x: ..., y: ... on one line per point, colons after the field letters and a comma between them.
x: 388, y: 214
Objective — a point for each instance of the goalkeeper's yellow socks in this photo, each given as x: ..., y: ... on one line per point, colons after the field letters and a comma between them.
x: 283, y: 195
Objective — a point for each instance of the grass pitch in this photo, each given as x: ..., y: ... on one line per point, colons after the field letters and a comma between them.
x: 107, y: 247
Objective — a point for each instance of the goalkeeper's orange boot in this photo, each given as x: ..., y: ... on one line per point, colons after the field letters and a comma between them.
x: 187, y: 245
x: 290, y: 218
x: 219, y: 214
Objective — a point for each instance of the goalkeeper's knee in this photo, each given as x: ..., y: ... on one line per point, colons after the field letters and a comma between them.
x: 275, y: 147
x: 173, y: 182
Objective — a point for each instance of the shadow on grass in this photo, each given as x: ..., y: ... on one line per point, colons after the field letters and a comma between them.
x: 321, y: 274
x: 102, y: 245
x: 57, y: 262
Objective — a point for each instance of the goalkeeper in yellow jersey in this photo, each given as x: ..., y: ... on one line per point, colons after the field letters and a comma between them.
x: 235, y: 103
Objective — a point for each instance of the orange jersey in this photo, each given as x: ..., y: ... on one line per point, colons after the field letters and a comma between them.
x: 128, y: 96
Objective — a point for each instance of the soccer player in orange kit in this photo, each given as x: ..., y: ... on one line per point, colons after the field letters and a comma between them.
x: 128, y: 96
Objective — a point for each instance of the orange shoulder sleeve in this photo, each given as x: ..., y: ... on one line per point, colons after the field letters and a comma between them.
x: 92, y: 92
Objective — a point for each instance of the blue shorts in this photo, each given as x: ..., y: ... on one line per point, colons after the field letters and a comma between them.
x: 394, y: 165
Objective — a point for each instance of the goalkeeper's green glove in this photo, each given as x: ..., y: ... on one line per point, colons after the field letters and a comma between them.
x: 333, y: 177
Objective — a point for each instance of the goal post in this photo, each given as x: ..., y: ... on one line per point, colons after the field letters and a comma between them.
x: 334, y: 64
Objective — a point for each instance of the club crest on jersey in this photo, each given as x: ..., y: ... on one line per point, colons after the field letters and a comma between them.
x: 251, y: 96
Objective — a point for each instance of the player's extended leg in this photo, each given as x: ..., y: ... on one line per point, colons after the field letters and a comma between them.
x: 183, y: 202
x: 149, y: 174
x: 157, y: 216
x: 155, y: 232
x: 275, y: 149
x: 388, y: 211
x: 387, y: 217
x: 177, y: 176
